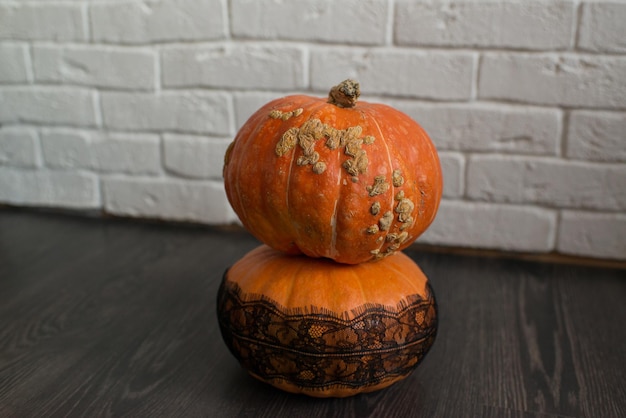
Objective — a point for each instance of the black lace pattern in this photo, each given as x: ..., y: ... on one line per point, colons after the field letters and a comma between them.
x: 316, y: 349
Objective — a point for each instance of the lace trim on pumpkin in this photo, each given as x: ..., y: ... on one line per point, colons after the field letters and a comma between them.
x: 315, y: 348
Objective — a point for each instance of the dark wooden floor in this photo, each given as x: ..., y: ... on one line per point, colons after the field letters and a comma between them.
x: 115, y: 318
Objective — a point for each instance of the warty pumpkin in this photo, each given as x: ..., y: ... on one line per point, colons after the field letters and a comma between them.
x: 326, y: 329
x: 350, y: 181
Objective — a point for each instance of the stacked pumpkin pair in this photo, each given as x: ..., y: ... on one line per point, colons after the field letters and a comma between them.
x: 335, y: 189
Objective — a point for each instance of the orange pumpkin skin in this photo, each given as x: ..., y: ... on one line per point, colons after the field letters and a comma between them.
x: 325, y: 329
x: 351, y: 184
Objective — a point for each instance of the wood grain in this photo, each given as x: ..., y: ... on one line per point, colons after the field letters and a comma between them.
x: 115, y: 318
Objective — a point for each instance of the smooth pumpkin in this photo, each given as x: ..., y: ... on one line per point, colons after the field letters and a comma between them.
x: 326, y: 329
x: 350, y: 181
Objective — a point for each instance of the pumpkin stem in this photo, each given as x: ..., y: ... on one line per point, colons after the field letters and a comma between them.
x: 345, y: 94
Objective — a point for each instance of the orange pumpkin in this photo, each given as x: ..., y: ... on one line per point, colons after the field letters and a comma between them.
x: 333, y: 178
x: 325, y: 329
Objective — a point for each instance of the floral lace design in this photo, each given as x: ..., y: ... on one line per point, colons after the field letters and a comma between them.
x: 315, y: 348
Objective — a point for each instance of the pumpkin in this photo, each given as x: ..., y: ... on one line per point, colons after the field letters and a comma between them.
x: 336, y: 178
x: 326, y: 329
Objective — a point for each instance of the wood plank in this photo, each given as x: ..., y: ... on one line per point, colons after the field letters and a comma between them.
x: 111, y: 317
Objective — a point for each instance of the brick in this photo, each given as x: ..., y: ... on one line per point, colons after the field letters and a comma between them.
x: 592, y: 234
x: 227, y: 65
x: 67, y: 149
x: 194, y: 112
x: 547, y: 181
x: 13, y: 63
x: 453, y: 169
x: 246, y: 103
x: 348, y: 21
x: 493, y: 226
x: 597, y: 136
x: 602, y: 26
x: 127, y: 153
x: 37, y: 21
x: 95, y: 66
x: 524, y: 24
x: 112, y: 152
x: 196, y: 201
x: 194, y: 156
x: 443, y: 75
x: 487, y: 127
x: 565, y: 79
x: 158, y: 21
x: 19, y: 147
x: 49, y: 188
x: 49, y: 105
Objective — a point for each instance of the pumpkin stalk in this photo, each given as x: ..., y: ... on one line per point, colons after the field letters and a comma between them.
x: 345, y: 94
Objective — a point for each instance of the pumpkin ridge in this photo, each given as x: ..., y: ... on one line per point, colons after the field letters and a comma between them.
x: 361, y: 289
x: 383, y: 140
x: 289, y: 293
x: 256, y: 117
x: 314, y: 106
x: 239, y: 167
x: 398, y: 273
x: 333, y: 223
x: 339, y: 198
x: 435, y: 157
x: 310, y: 106
x: 288, y: 188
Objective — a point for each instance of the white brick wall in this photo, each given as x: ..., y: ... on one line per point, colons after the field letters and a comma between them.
x: 229, y: 65
x: 530, y: 24
x: 546, y: 181
x: 167, y: 198
x: 189, y: 111
x: 107, y: 153
x: 453, y: 167
x: 441, y: 75
x: 14, y: 67
x: 49, y: 188
x: 592, y: 234
x: 18, y: 147
x: 69, y: 106
x: 554, y: 79
x: 346, y: 21
x: 194, y: 156
x: 602, y: 26
x: 144, y: 22
x: 499, y: 128
x: 597, y: 136
x: 480, y: 225
x: 42, y: 21
x: 127, y: 106
x: 128, y: 69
